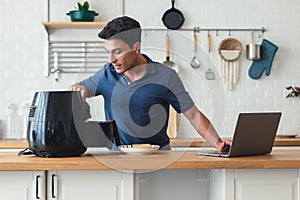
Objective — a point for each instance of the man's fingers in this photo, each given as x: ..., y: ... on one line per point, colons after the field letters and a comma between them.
x: 79, y: 88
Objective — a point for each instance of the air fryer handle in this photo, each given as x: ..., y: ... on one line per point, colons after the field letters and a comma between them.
x: 85, y: 108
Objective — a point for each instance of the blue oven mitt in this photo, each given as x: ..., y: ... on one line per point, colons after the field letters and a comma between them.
x: 267, y: 54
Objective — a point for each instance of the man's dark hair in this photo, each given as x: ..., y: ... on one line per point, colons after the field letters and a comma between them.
x: 123, y: 28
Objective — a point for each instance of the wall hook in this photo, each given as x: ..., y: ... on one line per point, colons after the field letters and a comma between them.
x: 262, y: 34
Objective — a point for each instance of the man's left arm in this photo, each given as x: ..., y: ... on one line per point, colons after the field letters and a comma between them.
x: 204, y: 127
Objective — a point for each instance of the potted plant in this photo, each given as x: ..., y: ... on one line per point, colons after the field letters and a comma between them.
x: 82, y: 14
x: 295, y: 91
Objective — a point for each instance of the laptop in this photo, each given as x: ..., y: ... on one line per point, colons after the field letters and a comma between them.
x: 254, y: 135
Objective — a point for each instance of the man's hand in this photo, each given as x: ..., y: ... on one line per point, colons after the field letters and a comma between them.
x: 224, y: 146
x: 78, y: 87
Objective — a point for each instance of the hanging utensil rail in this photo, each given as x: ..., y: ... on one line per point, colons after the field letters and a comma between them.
x: 88, y: 56
x: 198, y: 29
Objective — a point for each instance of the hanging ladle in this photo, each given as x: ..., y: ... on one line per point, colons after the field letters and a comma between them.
x: 195, y: 63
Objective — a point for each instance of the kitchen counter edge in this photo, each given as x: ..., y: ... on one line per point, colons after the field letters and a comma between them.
x: 107, y: 160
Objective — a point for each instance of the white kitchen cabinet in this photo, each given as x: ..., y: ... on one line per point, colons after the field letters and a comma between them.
x: 91, y: 184
x: 258, y: 184
x: 172, y: 184
x: 22, y: 185
x: 261, y: 184
x: 66, y: 185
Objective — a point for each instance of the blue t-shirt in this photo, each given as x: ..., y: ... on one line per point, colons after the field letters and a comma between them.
x: 141, y: 108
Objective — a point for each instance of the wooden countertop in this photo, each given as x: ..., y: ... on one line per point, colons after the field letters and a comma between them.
x: 12, y: 144
x: 161, y: 160
x: 198, y: 142
x: 176, y: 142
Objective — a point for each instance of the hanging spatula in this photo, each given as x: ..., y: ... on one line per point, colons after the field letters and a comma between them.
x: 209, y: 74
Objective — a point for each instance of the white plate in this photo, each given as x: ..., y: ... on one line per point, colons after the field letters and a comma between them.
x: 138, y: 151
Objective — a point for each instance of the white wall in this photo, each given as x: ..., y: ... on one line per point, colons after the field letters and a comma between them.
x: 21, y: 53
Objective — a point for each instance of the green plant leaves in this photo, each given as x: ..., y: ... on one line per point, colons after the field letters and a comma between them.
x: 84, y: 6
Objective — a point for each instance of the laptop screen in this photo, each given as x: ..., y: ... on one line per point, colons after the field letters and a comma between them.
x: 255, y: 133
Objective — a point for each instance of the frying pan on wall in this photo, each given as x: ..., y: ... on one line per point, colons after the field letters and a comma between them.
x: 173, y: 18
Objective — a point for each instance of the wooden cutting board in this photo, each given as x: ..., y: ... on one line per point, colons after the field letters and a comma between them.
x: 172, y: 125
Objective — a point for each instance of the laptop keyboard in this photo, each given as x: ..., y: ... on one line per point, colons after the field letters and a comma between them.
x: 224, y: 152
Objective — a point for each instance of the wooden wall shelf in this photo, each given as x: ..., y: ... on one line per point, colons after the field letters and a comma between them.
x: 73, y: 25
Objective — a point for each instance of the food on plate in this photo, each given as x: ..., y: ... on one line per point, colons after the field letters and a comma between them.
x: 141, y: 146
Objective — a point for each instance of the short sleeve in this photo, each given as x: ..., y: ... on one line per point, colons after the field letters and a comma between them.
x: 178, y: 97
x: 92, y: 83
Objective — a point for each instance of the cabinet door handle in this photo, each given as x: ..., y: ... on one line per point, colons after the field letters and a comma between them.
x: 37, y: 186
x: 54, y: 186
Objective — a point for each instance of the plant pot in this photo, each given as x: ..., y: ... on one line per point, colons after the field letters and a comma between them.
x: 82, y: 15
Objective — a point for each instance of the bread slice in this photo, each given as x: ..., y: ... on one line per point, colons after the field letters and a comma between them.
x: 140, y: 145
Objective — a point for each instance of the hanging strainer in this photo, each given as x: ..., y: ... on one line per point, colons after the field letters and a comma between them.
x: 230, y: 51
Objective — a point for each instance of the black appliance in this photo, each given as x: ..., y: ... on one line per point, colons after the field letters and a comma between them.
x: 58, y: 126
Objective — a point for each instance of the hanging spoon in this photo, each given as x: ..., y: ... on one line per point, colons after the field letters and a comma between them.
x: 209, y: 74
x: 195, y: 63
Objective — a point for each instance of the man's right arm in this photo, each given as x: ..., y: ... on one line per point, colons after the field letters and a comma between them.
x: 88, y: 87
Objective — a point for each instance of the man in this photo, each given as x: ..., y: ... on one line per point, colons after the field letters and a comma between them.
x: 137, y: 91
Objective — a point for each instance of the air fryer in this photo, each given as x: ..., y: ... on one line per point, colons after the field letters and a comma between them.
x: 58, y: 126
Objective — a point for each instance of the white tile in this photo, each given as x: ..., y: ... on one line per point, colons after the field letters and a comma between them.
x: 21, y: 59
